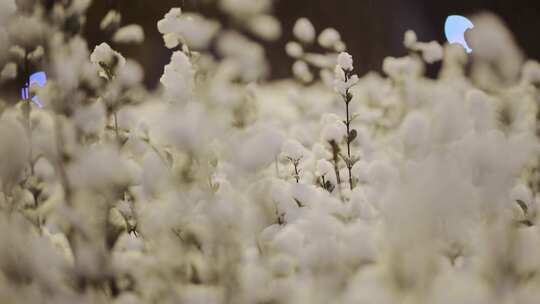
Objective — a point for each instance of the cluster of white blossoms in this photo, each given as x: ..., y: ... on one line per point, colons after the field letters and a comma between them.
x: 223, y: 186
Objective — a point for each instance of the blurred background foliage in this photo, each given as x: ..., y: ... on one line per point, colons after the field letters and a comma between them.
x: 372, y: 29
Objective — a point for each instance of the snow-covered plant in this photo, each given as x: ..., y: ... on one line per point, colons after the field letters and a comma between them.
x: 107, y: 60
x: 344, y: 81
x: 225, y: 186
x: 293, y: 152
x: 187, y: 28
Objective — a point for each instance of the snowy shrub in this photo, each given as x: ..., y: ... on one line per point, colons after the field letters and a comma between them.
x: 222, y: 186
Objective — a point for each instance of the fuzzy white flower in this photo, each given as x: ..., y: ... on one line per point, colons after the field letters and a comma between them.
x: 324, y: 167
x: 266, y: 27
x: 129, y: 34
x: 178, y: 78
x: 304, y: 31
x: 482, y: 109
x: 301, y: 71
x: 294, y: 49
x: 107, y: 60
x: 333, y: 132
x: 410, y: 39
x: 402, y: 67
x: 342, y: 82
x: 9, y: 71
x: 292, y: 149
x: 531, y: 72
x: 329, y: 38
x: 431, y: 51
x: 90, y: 119
x: 99, y: 167
x: 111, y: 20
x: 245, y: 8
x: 189, y: 28
x: 246, y: 57
x: 342, y: 86
x: 339, y: 73
x: 345, y: 61
x: 80, y: 6
x: 131, y: 74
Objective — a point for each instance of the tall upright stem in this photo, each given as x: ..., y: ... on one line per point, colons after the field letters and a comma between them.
x: 347, y: 98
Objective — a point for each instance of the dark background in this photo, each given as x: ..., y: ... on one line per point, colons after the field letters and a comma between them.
x: 372, y: 29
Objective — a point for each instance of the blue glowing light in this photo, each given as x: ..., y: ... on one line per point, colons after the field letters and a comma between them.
x: 39, y: 78
x: 455, y: 28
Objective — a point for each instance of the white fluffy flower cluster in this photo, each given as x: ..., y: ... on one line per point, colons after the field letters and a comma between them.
x: 306, y: 62
x: 343, y: 79
x: 293, y: 149
x: 187, y: 28
x: 431, y: 51
x: 178, y: 78
x: 412, y: 190
x: 129, y: 34
x: 107, y: 60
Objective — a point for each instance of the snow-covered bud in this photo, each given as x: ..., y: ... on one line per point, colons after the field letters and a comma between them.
x: 293, y: 149
x: 304, y: 31
x: 266, y: 27
x: 323, y: 167
x: 329, y: 38
x: 410, y: 39
x: 345, y: 61
x: 178, y: 78
x: 111, y: 21
x: 129, y: 34
x: 107, y: 60
x: 339, y: 74
x: 431, y: 51
x: 333, y: 132
x: 531, y: 72
x: 294, y: 49
x: 301, y: 71
x: 190, y: 28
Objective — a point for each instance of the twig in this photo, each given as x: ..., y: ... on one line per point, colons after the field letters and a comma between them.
x: 350, y: 135
x: 335, y: 159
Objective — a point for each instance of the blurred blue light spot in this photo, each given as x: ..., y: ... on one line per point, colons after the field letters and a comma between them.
x: 455, y: 28
x: 39, y: 78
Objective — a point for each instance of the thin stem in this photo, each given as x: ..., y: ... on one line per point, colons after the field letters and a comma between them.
x: 347, y: 98
x: 335, y: 153
x: 349, y: 167
x: 296, y: 173
x: 348, y: 124
x: 116, y: 126
x: 295, y: 163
